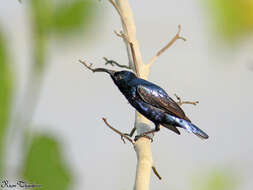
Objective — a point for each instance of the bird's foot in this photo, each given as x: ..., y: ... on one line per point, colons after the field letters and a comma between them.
x: 143, y: 135
x: 131, y: 133
x: 128, y: 134
x: 148, y: 135
x: 149, y: 132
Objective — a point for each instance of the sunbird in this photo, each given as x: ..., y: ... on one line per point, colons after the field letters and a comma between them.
x: 153, y: 102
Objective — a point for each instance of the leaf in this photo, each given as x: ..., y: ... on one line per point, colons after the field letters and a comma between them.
x: 40, y: 12
x: 6, y: 85
x: 41, y: 15
x: 56, y: 17
x: 70, y: 16
x: 216, y: 179
x: 232, y: 18
x: 45, y: 165
x: 61, y: 16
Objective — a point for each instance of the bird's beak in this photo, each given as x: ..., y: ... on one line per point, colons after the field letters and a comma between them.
x: 111, y: 72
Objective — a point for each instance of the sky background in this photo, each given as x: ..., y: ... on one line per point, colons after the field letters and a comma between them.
x: 73, y: 100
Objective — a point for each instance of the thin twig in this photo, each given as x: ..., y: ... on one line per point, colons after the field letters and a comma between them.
x: 113, y: 63
x: 180, y: 102
x: 120, y: 133
x: 124, y: 36
x: 93, y: 69
x: 134, y: 59
x: 171, y: 42
x: 156, y: 173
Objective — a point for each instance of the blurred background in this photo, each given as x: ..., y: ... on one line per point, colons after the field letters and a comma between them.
x: 51, y: 131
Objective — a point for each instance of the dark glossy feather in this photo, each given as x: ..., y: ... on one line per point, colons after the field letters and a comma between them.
x: 153, y: 102
x: 157, y: 97
x: 173, y: 128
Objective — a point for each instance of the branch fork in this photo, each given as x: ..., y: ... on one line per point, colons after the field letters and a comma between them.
x: 133, y: 142
x: 171, y: 42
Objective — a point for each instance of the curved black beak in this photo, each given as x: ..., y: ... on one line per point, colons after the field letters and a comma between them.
x: 111, y: 72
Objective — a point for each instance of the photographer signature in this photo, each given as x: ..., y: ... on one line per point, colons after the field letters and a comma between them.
x: 19, y: 183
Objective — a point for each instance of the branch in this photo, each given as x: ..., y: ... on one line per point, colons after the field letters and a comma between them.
x: 156, y: 173
x: 125, y: 27
x: 120, y: 133
x: 180, y: 102
x: 90, y: 67
x: 113, y: 63
x: 130, y: 140
x: 125, y: 37
x: 174, y: 39
x: 124, y: 10
x: 142, y: 145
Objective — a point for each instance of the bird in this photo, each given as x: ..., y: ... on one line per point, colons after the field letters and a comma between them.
x: 153, y: 102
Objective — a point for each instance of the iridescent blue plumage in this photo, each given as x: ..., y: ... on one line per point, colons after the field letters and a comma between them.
x: 153, y: 102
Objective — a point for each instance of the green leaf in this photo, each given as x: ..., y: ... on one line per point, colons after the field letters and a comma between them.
x: 56, y: 17
x: 41, y: 15
x: 6, y: 85
x: 45, y: 165
x: 61, y: 16
x: 217, y: 179
x: 70, y: 16
x: 40, y: 12
x: 232, y: 18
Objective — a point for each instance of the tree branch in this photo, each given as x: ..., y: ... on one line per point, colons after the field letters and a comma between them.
x: 171, y: 42
x: 180, y: 102
x: 130, y: 140
x: 113, y: 63
x: 124, y: 36
x: 90, y: 67
x: 118, y: 132
x: 156, y: 173
x: 142, y: 145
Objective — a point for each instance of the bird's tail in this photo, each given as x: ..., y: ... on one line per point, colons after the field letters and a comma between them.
x: 189, y: 127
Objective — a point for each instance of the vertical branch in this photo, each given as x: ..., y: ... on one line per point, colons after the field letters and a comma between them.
x: 130, y: 31
x: 144, y: 166
x: 142, y: 145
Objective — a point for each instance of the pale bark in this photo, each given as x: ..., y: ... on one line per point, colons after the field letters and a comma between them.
x: 142, y: 145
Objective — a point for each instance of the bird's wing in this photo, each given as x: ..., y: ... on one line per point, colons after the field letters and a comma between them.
x: 157, y: 97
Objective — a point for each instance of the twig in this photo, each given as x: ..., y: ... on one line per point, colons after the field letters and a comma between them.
x: 124, y: 36
x: 120, y: 133
x: 174, y: 39
x: 156, y: 173
x: 113, y: 63
x: 180, y: 102
x: 90, y: 67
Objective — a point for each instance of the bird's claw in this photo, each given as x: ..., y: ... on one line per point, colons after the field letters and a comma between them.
x: 143, y: 135
x: 128, y: 134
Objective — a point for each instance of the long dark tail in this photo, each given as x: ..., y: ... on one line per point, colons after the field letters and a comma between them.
x: 188, y: 126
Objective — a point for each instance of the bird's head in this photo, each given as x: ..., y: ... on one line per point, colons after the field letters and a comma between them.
x: 120, y: 78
